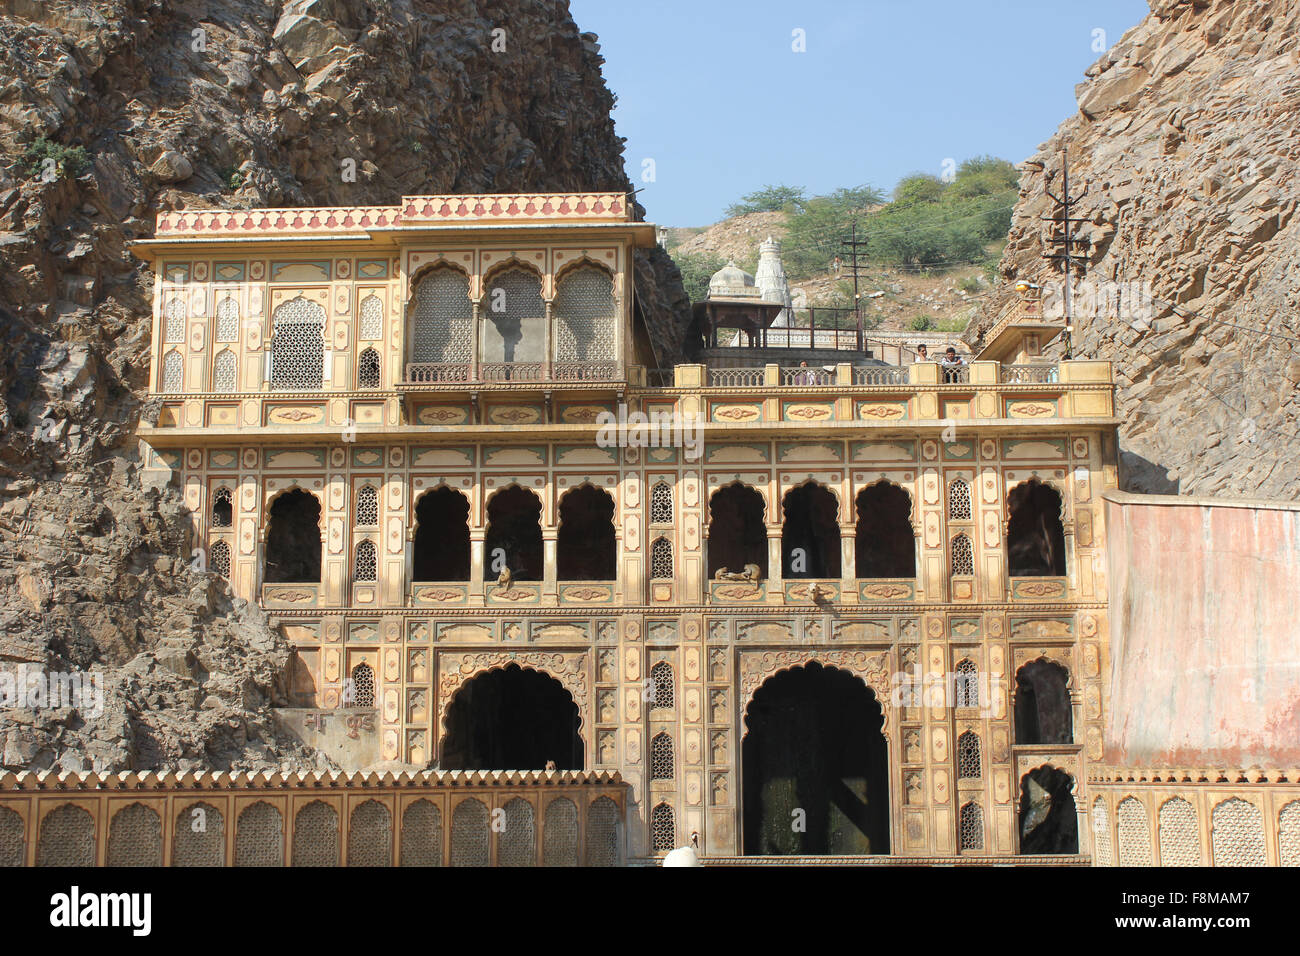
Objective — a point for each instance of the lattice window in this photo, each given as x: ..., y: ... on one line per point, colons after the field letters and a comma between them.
x: 259, y: 836
x: 227, y: 320
x: 971, y: 827
x: 1288, y: 834
x: 661, y: 503
x: 298, y: 345
x: 223, y: 372
x: 661, y: 560
x: 372, y: 319
x: 223, y: 508
x: 316, y: 835
x: 517, y: 843
x: 602, y: 832
x: 1238, y: 834
x: 366, y: 565
x: 370, y: 835
x: 662, y: 676
x: 135, y: 837
x: 585, y: 317
x: 469, y: 834
x: 219, y: 559
x: 663, y: 829
x: 173, y: 376
x: 661, y: 757
x: 199, y: 837
x: 968, y: 756
x: 560, y: 833
x: 1133, y: 832
x: 442, y: 326
x: 1180, y: 836
x: 368, y: 369
x: 367, y: 506
x: 363, y: 686
x: 12, y: 831
x: 967, y: 684
x: 422, y: 834
x: 67, y: 838
x: 963, y: 555
x: 1101, y: 848
x: 174, y: 320
x: 959, y: 500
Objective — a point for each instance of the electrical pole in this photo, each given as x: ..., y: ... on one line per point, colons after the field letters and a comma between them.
x: 1064, y: 250
x: 851, y: 247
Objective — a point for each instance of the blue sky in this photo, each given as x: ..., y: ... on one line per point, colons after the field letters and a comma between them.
x: 713, y: 93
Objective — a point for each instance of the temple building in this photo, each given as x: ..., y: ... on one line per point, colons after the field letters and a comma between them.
x: 863, y: 612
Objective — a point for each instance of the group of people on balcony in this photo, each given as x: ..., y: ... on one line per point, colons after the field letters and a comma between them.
x: 951, y: 363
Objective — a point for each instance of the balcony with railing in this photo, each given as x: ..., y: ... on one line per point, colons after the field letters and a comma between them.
x: 420, y: 374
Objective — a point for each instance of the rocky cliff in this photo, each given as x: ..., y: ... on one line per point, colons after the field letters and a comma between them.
x: 1186, y: 139
x: 217, y: 103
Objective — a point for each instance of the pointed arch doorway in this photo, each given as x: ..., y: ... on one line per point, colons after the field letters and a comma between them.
x: 512, y: 718
x: 814, y: 766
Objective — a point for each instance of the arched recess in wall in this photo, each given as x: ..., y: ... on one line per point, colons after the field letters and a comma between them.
x: 441, y: 545
x: 810, y: 532
x: 586, y: 318
x: 298, y: 345
x: 1035, y: 533
x: 512, y: 718
x: 1048, y: 821
x: 1043, y: 714
x: 885, y: 540
x: 737, y: 531
x: 293, y: 539
x: 441, y: 317
x: 513, y: 316
x: 586, y: 545
x: 514, y: 534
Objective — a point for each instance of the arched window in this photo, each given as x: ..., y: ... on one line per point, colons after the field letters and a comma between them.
x: 223, y: 372
x: 199, y: 837
x: 661, y: 757
x: 363, y: 686
x: 1288, y: 834
x: 663, y: 829
x: 1133, y: 832
x: 514, y: 317
x: 298, y: 345
x: 370, y: 835
x: 368, y: 369
x: 367, y: 506
x: 886, y: 542
x: 135, y: 837
x: 1035, y: 534
x: 514, y: 534
x: 174, y: 320
x: 372, y: 319
x: 422, y: 834
x: 1238, y: 834
x: 959, y: 507
x: 173, y: 371
x: 661, y: 560
x: 661, y: 676
x: 585, y: 316
x: 441, y: 318
x: 223, y: 513
x: 963, y: 556
x: 810, y: 533
x: 1101, y: 843
x: 316, y: 835
x: 971, y: 827
x: 1180, y: 834
x: 737, y: 531
x: 968, y: 756
x: 1043, y: 714
x: 967, y: 684
x: 366, y: 566
x: 586, y: 545
x: 227, y: 320
x: 259, y: 836
x: 293, y: 544
x: 661, y: 503
x: 442, y: 537
x: 219, y: 559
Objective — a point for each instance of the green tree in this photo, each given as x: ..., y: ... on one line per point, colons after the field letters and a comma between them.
x: 770, y: 199
x: 696, y: 269
x: 918, y: 188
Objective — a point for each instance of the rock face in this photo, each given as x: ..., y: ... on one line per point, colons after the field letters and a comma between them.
x: 224, y: 103
x: 1187, y: 140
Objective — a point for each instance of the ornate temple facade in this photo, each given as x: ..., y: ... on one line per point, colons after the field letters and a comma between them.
x: 855, y: 610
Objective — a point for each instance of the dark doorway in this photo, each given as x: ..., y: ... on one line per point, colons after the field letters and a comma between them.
x: 1035, y: 535
x: 586, y: 547
x: 1043, y: 712
x: 810, y: 534
x: 514, y: 534
x: 442, y: 536
x: 1048, y: 823
x: 737, y: 532
x: 814, y: 755
x: 293, y: 539
x: 512, y: 719
x: 886, y: 544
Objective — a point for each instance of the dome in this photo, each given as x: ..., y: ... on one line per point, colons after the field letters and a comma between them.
x: 731, y: 281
